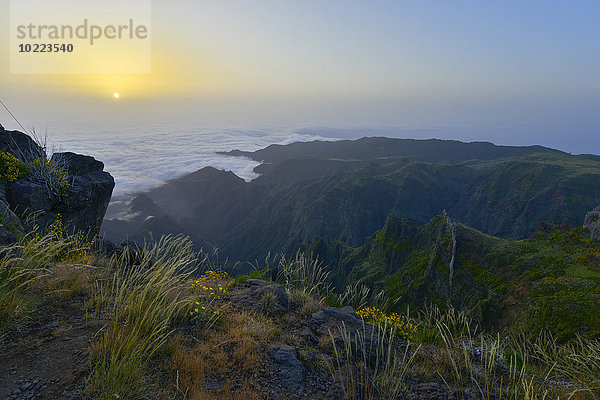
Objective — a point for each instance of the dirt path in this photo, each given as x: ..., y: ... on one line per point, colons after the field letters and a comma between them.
x: 49, y: 359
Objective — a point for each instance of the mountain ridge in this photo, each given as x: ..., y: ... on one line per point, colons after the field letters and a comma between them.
x: 333, y: 195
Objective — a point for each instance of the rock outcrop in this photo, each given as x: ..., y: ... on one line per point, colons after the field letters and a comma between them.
x: 20, y: 145
x: 291, y: 371
x: 592, y: 222
x: 257, y: 289
x: 81, y: 208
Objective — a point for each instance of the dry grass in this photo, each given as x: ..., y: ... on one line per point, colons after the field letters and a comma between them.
x: 66, y: 281
x: 232, y: 349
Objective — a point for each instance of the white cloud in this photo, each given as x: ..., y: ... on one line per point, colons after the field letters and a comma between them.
x: 140, y: 162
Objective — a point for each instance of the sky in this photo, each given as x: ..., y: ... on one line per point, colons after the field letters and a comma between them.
x: 510, y: 72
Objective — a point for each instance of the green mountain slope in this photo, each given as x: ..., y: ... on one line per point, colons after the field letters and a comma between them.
x: 551, y: 280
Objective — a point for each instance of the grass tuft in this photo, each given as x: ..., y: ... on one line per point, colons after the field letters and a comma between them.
x: 142, y: 302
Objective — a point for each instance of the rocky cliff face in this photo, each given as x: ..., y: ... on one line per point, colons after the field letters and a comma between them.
x: 592, y: 222
x: 81, y: 203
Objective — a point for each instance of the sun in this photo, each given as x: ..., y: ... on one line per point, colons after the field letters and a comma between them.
x: 116, y: 95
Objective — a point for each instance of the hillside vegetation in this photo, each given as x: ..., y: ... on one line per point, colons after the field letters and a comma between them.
x: 550, y: 281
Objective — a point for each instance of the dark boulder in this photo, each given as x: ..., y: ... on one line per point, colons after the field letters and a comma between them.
x: 250, y: 294
x: 77, y: 164
x: 331, y: 318
x: 28, y: 197
x: 306, y: 335
x: 291, y: 371
x: 20, y: 145
x: 89, y: 195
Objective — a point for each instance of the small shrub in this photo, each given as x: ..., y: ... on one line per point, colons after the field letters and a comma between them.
x: 268, y: 303
x: 207, y: 290
x: 52, y: 175
x: 211, y: 284
x: 255, y: 274
x: 401, y: 325
x: 11, y: 168
x: 331, y: 300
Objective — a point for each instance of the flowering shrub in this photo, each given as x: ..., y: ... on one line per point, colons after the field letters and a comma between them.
x: 209, y: 287
x: 11, y: 168
x: 210, y: 284
x: 402, y: 327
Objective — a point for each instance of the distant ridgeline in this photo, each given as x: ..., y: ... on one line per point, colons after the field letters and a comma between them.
x: 36, y: 191
x: 334, y: 197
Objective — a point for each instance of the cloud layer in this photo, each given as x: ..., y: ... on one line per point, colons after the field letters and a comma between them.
x: 142, y: 161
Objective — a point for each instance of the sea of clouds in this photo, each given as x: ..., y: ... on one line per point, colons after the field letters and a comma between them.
x: 142, y: 160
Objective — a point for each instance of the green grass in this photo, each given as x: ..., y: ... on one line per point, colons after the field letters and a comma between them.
x: 305, y: 273
x: 141, y: 302
x: 24, y: 272
x: 463, y: 357
x: 370, y: 365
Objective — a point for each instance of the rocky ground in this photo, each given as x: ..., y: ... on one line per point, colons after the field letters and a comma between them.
x: 294, y: 362
x: 47, y: 358
x: 275, y: 349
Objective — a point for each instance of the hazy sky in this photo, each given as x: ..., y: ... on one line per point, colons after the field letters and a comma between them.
x: 512, y: 72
